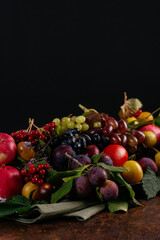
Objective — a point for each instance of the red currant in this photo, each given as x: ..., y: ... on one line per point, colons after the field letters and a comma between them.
x: 36, y: 169
x: 34, y: 142
x: 31, y: 165
x: 40, y: 166
x: 23, y: 172
x: 42, y: 171
x: 31, y: 170
x: 42, y: 137
x: 46, y: 127
x: 13, y: 134
x: 46, y: 166
x: 40, y: 181
x: 26, y: 179
x: 37, y: 133
x: 36, y: 176
x: 34, y: 180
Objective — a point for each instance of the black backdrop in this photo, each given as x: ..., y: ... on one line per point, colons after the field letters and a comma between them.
x: 55, y: 56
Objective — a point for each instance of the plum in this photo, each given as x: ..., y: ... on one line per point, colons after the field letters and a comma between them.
x: 97, y: 176
x: 106, y: 159
x: 148, y: 162
x: 82, y: 186
x: 81, y: 158
x: 60, y: 160
x: 109, y: 190
x: 91, y: 150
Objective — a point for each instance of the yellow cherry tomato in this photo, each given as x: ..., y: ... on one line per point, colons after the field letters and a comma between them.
x: 146, y: 116
x: 134, y: 172
x: 150, y: 138
x: 25, y: 151
x: 28, y: 188
x: 157, y: 159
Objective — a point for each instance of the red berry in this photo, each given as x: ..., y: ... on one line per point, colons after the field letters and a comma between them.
x: 46, y: 166
x: 40, y: 181
x: 36, y: 169
x: 42, y: 171
x: 34, y: 180
x: 36, y: 176
x: 40, y: 166
x: 34, y: 142
x: 37, y: 133
x: 30, y: 138
x: 31, y: 170
x: 42, y: 137
x: 18, y: 135
x: 31, y: 165
x: 32, y: 133
x: 28, y: 174
x: 23, y: 172
x: 26, y: 179
x: 42, y: 176
x: 21, y: 131
x: 13, y: 134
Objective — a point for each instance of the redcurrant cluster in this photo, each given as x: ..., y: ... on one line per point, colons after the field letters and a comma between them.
x: 44, y: 134
x: 136, y: 114
x: 35, y: 174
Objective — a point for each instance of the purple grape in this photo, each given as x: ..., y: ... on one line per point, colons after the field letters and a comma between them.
x: 82, y: 186
x: 83, y: 159
x: 97, y: 176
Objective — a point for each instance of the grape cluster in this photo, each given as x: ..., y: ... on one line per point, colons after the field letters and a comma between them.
x: 66, y: 123
x: 35, y: 174
x: 44, y: 134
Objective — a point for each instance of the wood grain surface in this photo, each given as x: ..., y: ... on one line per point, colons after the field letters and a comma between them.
x: 137, y: 223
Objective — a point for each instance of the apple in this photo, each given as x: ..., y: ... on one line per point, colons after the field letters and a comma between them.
x: 11, y: 182
x: 152, y: 128
x: 8, y: 148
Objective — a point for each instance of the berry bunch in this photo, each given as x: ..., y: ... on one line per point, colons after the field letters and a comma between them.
x: 35, y: 174
x: 44, y: 134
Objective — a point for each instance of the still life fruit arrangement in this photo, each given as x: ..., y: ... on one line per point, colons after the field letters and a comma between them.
x: 85, y: 157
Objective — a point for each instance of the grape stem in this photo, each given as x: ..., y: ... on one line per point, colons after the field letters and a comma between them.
x: 73, y: 159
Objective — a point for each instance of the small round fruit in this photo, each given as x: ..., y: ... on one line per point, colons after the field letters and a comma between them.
x: 109, y: 190
x: 145, y: 116
x: 25, y: 150
x: 91, y: 150
x: 45, y: 191
x: 148, y: 162
x: 134, y: 172
x: 82, y: 187
x: 28, y: 188
x: 157, y: 159
x: 150, y: 139
x: 118, y: 154
x: 97, y: 176
x: 130, y: 119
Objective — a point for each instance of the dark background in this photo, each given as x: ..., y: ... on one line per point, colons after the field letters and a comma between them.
x: 55, y: 56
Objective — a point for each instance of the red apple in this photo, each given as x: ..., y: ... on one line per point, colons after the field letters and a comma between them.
x: 8, y: 148
x: 11, y: 181
x: 152, y: 128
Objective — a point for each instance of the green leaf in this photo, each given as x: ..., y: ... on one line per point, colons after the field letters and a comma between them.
x: 54, y: 176
x: 96, y: 158
x: 157, y: 121
x: 62, y: 191
x: 119, y: 178
x: 20, y: 200
x: 150, y: 183
x: 111, y: 168
x: 99, y: 194
x: 117, y: 205
x: 41, y: 142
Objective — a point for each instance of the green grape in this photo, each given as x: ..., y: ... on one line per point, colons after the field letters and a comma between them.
x: 80, y: 119
x: 97, y: 124
x: 65, y: 120
x: 85, y: 127
x: 63, y: 127
x: 70, y: 124
x: 79, y: 126
x: 73, y: 118
x: 57, y: 121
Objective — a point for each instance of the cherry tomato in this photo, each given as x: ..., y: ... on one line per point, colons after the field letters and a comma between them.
x: 134, y: 172
x: 118, y: 154
x: 28, y: 188
x: 45, y: 191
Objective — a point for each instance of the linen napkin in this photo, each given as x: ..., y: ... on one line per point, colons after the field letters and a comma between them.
x: 81, y: 210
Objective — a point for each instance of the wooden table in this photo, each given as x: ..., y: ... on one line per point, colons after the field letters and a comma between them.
x: 138, y: 223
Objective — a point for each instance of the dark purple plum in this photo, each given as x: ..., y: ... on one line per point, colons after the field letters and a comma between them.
x: 97, y: 176
x: 106, y: 159
x: 91, y: 150
x: 60, y: 160
x: 109, y: 190
x: 83, y: 188
x: 148, y: 162
x: 81, y: 158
